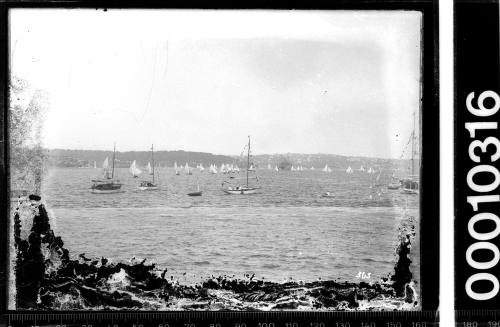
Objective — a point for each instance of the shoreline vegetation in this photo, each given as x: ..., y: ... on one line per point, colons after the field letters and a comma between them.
x: 47, y: 277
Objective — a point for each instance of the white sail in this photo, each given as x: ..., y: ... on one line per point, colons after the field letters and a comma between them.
x: 326, y: 169
x: 134, y: 170
x: 187, y: 169
x: 276, y: 168
x: 361, y: 168
x: 150, y: 170
x: 312, y: 167
x: 236, y: 168
x: 175, y: 165
x: 269, y: 166
x: 349, y: 170
x: 105, y: 164
x: 95, y: 164
x: 201, y: 167
x: 105, y: 168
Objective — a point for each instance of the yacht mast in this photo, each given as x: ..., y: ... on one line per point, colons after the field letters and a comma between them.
x: 153, y: 161
x: 113, y: 165
x: 248, y: 158
x: 413, y: 147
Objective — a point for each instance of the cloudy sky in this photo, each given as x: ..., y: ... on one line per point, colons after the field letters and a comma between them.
x: 341, y: 82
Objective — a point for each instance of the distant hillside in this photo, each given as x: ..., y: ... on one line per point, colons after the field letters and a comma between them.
x: 285, y: 161
x: 86, y: 158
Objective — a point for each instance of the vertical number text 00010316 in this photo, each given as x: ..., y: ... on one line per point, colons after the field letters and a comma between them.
x: 481, y: 146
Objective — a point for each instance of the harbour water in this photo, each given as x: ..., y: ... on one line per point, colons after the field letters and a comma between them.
x: 286, y: 231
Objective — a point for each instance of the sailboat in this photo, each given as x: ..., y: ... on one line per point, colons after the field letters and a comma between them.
x: 95, y: 164
x: 327, y: 169
x: 201, y: 168
x: 276, y: 168
x: 349, y: 170
x: 149, y: 185
x: 134, y: 170
x: 176, y: 169
x: 108, y: 184
x: 197, y: 193
x: 312, y: 167
x: 410, y: 183
x: 187, y: 169
x: 377, y: 179
x: 244, y: 189
x: 293, y: 168
x: 361, y: 168
x: 395, y: 184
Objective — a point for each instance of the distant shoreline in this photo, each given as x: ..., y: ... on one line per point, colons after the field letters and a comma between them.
x: 87, y: 158
x: 107, y: 152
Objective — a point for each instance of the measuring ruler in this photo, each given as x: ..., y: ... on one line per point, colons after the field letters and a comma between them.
x: 477, y: 318
x: 227, y: 319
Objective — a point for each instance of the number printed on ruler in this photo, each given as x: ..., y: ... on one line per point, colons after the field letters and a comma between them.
x: 483, y: 145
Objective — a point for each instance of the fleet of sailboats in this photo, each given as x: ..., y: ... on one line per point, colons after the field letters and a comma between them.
x: 108, y: 184
x: 212, y: 169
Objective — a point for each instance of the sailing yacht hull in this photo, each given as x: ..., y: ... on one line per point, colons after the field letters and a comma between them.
x: 148, y: 188
x: 409, y: 191
x: 94, y: 191
x: 241, y: 191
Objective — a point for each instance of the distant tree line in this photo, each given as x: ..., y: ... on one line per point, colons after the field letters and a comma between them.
x: 86, y: 158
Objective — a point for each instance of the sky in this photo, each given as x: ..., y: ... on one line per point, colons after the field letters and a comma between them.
x: 337, y: 82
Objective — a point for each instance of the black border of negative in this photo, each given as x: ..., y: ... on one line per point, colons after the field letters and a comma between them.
x: 429, y: 196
